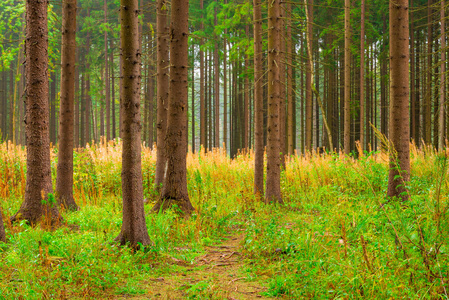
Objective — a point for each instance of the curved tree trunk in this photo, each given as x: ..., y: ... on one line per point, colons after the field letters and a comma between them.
x: 258, y: 100
x: 174, y: 190
x: 64, y: 174
x: 162, y: 90
x: 273, y: 189
x: 399, y: 173
x: 37, y: 201
x: 134, y: 229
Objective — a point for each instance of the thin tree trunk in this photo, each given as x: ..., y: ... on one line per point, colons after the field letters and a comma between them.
x: 225, y: 90
x: 193, y: 99
x: 162, y: 90
x: 362, y: 76
x: 442, y: 113
x: 347, y: 86
x: 38, y: 181
x: 290, y: 91
x: 203, y: 121
x: 111, y: 59
x: 309, y: 107
x: 258, y: 100
x: 428, y: 104
x: 217, y: 88
x: 106, y: 75
x: 134, y: 229
x: 399, y: 174
x: 64, y: 174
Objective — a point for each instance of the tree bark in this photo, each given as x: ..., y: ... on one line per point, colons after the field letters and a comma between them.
x: 162, y: 90
x: 258, y: 100
x: 174, y: 190
x: 428, y: 104
x: 362, y: 76
x: 64, y: 174
x: 309, y: 107
x: 347, y: 86
x: 273, y: 188
x: 38, y: 201
x: 134, y: 229
x: 106, y: 75
x: 216, y: 88
x: 399, y: 174
x: 442, y: 112
x: 203, y: 121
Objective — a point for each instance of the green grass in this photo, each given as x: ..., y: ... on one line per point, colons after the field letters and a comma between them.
x: 310, y: 248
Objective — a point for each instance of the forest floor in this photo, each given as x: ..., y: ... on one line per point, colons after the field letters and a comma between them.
x: 217, y: 274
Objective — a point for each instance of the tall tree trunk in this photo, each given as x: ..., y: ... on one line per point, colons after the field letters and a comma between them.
x: 134, y: 229
x: 106, y: 75
x: 282, y: 86
x: 76, y: 102
x: 225, y: 90
x: 362, y: 76
x: 64, y: 174
x: 111, y: 59
x: 83, y: 109
x: 216, y: 88
x: 53, y: 108
x: 258, y: 100
x: 193, y: 99
x: 290, y: 91
x: 428, y: 105
x: 399, y: 174
x: 203, y: 121
x: 347, y: 86
x: 162, y: 90
x: 38, y: 181
x: 273, y: 189
x: 442, y: 112
x: 174, y: 189
x: 309, y: 107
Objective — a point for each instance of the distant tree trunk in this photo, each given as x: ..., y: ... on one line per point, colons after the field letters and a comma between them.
x: 413, y: 102
x: 442, y: 113
x: 347, y: 86
x: 383, y: 85
x: 2, y: 229
x: 38, y: 181
x: 134, y: 229
x: 83, y: 109
x: 216, y: 88
x: 111, y: 58
x: 283, y: 84
x: 64, y: 174
x: 258, y: 100
x: 174, y: 190
x: 399, y: 174
x: 309, y: 107
x: 162, y: 90
x: 77, y: 103
x: 428, y: 105
x: 290, y: 91
x: 106, y: 75
x: 273, y: 189
x: 225, y: 90
x: 362, y: 76
x: 193, y: 99
x: 203, y: 121
x: 53, y: 108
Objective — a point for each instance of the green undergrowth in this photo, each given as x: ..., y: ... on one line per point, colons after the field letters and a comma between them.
x: 337, y: 236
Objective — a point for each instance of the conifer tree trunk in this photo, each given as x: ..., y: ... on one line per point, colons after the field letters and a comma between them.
x: 106, y: 75
x: 134, y: 229
x: 203, y: 121
x: 428, y: 105
x: 174, y: 190
x: 53, y: 108
x: 216, y: 89
x: 442, y: 111
x: 273, y: 188
x: 258, y: 100
x: 309, y: 107
x: 290, y: 91
x: 225, y: 90
x: 362, y: 76
x: 399, y: 174
x: 111, y: 59
x: 38, y: 202
x: 347, y: 85
x: 162, y: 90
x: 64, y: 174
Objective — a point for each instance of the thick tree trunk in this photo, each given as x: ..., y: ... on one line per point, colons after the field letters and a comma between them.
x: 273, y: 189
x: 174, y: 191
x: 134, y: 229
x: 162, y: 90
x: 347, y: 85
x: 399, y: 174
x: 64, y: 174
x: 38, y: 201
x: 258, y: 100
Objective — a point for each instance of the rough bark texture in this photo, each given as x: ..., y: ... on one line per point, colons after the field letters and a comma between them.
x: 399, y: 173
x: 38, y: 182
x: 174, y: 190
x: 347, y: 87
x: 273, y: 189
x: 258, y: 100
x: 134, y: 229
x: 162, y: 90
x: 64, y: 175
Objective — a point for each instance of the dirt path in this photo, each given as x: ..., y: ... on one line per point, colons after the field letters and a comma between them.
x: 214, y: 275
